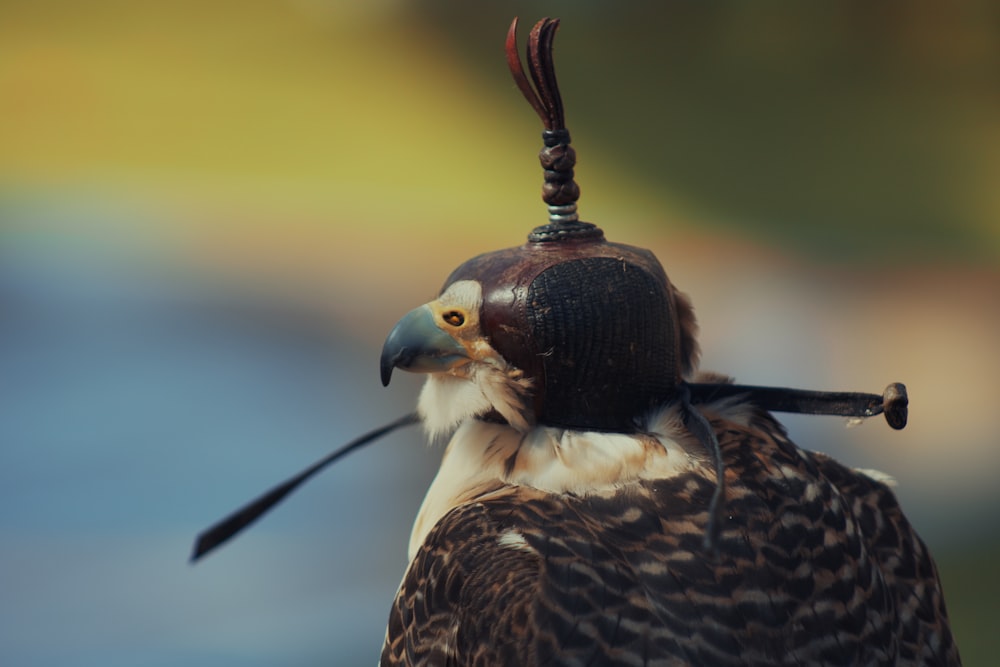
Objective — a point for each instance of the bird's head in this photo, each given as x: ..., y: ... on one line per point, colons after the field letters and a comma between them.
x: 567, y: 330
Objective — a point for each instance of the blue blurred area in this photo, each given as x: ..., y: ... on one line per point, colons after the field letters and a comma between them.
x: 138, y: 406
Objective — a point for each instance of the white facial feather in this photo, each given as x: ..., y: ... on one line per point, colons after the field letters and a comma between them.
x: 446, y: 400
x: 467, y: 294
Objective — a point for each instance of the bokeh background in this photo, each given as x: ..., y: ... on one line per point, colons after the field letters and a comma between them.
x: 212, y: 213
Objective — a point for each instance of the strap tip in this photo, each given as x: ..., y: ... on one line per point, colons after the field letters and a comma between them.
x: 895, y: 405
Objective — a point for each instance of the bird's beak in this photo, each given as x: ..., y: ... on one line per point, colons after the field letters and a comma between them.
x: 417, y: 344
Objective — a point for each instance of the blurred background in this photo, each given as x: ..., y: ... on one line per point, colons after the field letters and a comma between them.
x: 212, y: 213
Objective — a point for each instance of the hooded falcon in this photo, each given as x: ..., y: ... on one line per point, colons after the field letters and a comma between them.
x: 602, y: 502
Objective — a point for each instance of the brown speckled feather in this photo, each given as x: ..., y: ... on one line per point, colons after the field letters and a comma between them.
x: 817, y: 565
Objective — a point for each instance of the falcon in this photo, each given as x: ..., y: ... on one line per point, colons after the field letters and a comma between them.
x: 601, y: 501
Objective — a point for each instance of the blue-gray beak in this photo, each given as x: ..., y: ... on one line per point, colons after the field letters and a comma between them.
x: 418, y: 345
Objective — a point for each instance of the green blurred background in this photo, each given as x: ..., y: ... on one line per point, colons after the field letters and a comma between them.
x: 212, y: 213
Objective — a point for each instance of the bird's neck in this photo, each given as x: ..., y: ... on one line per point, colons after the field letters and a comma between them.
x: 483, y: 458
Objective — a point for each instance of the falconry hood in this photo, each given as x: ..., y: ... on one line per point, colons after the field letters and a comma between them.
x: 596, y: 326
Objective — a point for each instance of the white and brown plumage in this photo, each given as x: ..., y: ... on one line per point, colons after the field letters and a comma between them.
x: 567, y: 524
